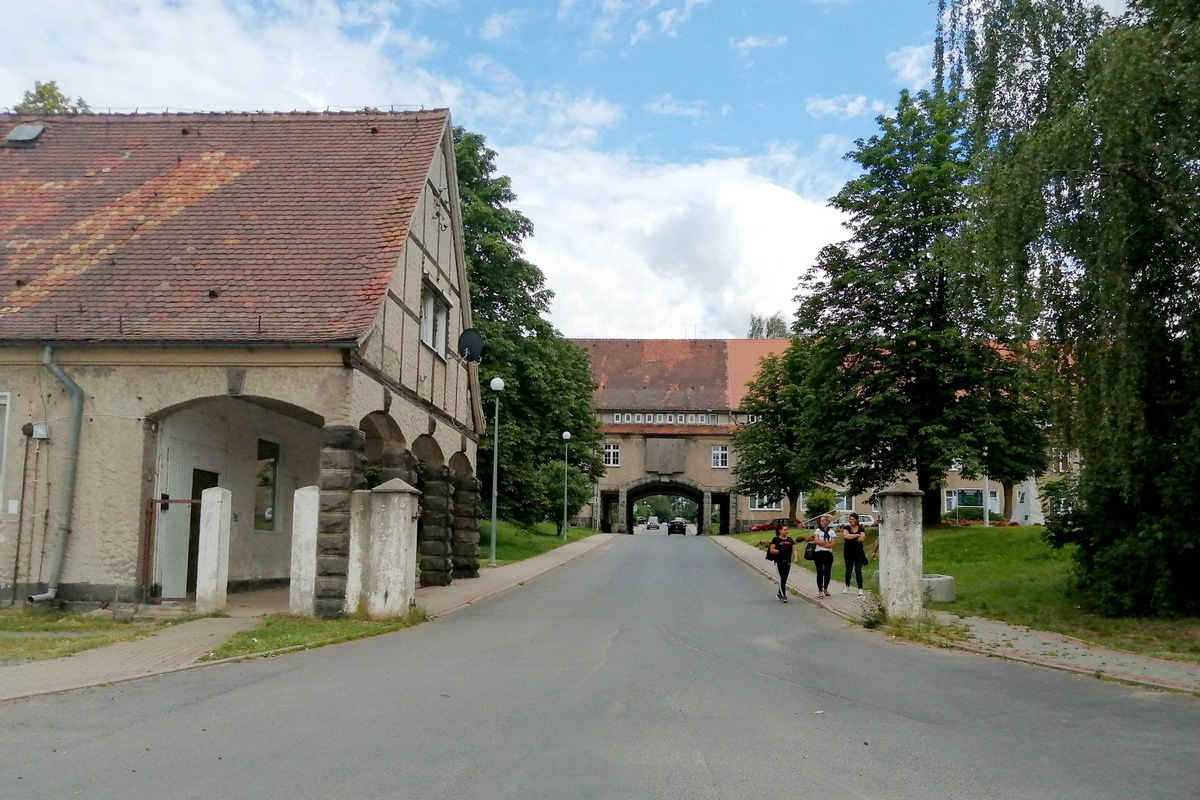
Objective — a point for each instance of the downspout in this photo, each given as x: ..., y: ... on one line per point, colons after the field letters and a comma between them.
x: 68, y: 498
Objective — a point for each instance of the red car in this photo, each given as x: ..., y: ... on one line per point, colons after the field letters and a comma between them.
x: 770, y: 525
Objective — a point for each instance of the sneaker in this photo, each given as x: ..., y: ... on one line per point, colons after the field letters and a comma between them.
x: 860, y: 593
x: 784, y: 599
x: 778, y: 594
x: 846, y: 590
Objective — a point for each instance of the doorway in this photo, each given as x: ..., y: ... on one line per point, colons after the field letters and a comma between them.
x: 201, y: 479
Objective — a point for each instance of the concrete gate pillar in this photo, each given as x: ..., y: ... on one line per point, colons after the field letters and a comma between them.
x: 464, y: 540
x: 341, y: 473
x: 705, y: 522
x: 212, y: 560
x: 437, y: 523
x: 622, y: 504
x: 901, y: 553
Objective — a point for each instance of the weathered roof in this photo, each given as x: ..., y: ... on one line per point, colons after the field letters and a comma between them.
x: 675, y: 374
x: 207, y: 228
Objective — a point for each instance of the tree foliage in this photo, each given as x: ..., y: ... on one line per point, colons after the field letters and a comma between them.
x: 905, y: 367
x: 772, y: 327
x: 1090, y: 202
x: 548, y: 381
x: 47, y: 98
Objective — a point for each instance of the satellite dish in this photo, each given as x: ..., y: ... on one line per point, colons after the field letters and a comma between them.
x: 470, y: 346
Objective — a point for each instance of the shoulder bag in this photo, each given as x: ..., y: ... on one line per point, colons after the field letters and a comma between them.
x: 810, y: 550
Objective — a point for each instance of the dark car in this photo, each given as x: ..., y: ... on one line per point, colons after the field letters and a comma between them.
x: 770, y: 525
x: 677, y: 526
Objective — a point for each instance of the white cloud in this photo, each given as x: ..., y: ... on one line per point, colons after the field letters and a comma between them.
x: 671, y: 106
x: 912, y: 65
x: 641, y: 250
x: 497, y: 26
x: 844, y: 106
x: 748, y: 43
x: 669, y: 21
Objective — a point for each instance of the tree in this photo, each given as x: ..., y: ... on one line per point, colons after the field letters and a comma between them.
x: 578, y: 491
x: 905, y: 365
x: 772, y: 327
x: 775, y: 457
x: 46, y: 98
x: 548, y: 379
x: 1097, y: 193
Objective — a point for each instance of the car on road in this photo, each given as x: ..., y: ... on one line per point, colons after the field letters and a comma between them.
x: 677, y: 525
x: 641, y: 520
x: 769, y: 525
x: 865, y: 520
x: 652, y: 524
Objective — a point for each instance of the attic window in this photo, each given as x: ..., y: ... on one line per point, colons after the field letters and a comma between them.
x: 27, y: 133
x: 435, y: 317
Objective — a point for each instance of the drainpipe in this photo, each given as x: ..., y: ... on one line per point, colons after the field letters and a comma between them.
x: 68, y: 498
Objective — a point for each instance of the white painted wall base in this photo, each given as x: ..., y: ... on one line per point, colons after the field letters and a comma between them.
x: 212, y: 560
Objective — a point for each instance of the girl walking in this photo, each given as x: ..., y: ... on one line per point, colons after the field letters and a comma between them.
x: 825, y: 540
x: 781, y: 547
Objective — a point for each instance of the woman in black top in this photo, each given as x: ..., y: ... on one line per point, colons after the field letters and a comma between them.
x: 853, y: 536
x: 781, y: 547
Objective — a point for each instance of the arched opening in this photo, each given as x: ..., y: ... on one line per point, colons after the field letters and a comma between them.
x: 384, y: 450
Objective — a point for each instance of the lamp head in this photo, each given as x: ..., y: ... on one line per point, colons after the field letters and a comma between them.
x: 566, y: 436
x: 497, y: 384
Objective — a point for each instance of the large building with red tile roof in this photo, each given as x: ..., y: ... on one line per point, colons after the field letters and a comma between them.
x: 256, y: 301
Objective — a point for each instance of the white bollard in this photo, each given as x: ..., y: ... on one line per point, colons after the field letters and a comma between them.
x: 212, y: 560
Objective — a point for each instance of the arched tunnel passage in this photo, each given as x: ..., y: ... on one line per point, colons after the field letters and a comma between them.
x: 712, y: 507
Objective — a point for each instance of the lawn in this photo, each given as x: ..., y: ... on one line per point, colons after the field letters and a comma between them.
x: 46, y: 633
x: 1010, y: 574
x: 517, y: 543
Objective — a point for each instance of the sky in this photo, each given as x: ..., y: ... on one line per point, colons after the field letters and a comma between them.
x: 675, y: 156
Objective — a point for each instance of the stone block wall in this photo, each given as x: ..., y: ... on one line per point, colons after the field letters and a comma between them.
x: 341, y: 474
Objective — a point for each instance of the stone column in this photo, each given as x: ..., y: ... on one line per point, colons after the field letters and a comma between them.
x: 342, y: 458
x: 901, y: 552
x: 704, y: 524
x: 403, y: 465
x: 437, y: 523
x: 622, y: 501
x: 464, y: 540
x: 212, y: 561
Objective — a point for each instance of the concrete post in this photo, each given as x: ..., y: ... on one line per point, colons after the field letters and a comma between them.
x: 306, y: 507
x: 381, y: 578
x: 705, y: 522
x: 901, y: 552
x: 212, y: 561
x: 622, y: 505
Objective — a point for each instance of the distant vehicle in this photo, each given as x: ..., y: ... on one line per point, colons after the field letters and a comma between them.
x: 865, y: 520
x: 770, y: 524
x: 677, y: 525
x: 641, y: 520
x: 652, y: 524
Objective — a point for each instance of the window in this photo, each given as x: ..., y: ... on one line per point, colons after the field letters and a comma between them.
x: 763, y: 502
x: 720, y: 456
x: 1021, y: 497
x: 637, y: 417
x: 691, y: 418
x: 661, y: 418
x: 712, y: 419
x: 435, y: 316
x: 671, y: 418
x: 951, y: 499
x: 1062, y: 462
x: 612, y: 455
x: 629, y: 417
x: 265, y: 485
x: 845, y: 501
x: 617, y: 419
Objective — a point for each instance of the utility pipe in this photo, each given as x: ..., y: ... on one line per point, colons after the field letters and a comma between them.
x: 68, y: 494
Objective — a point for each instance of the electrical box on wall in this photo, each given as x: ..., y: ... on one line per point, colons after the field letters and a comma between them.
x: 41, y: 430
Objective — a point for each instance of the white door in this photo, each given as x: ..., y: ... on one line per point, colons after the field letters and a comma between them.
x: 177, y: 464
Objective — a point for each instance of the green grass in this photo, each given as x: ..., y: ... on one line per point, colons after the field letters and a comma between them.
x: 1010, y: 574
x: 517, y: 543
x: 281, y: 631
x: 43, y: 633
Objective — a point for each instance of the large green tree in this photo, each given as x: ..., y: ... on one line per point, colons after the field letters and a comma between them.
x: 548, y: 380
x: 905, y: 367
x: 1092, y: 207
x: 775, y: 453
x: 47, y: 98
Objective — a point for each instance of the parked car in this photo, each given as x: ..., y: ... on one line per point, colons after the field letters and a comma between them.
x: 770, y: 525
x: 677, y: 525
x: 652, y: 524
x: 865, y: 520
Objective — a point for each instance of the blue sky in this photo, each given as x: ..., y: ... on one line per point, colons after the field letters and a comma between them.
x: 675, y: 156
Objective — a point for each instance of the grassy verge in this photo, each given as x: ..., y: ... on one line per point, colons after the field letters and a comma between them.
x: 517, y: 543
x: 41, y: 634
x: 280, y: 631
x: 1010, y: 574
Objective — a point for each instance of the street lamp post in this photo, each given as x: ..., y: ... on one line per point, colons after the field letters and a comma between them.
x: 497, y: 387
x: 566, y: 445
x: 987, y: 500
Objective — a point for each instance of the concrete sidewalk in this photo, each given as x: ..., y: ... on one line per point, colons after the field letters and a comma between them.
x: 177, y: 647
x: 992, y: 638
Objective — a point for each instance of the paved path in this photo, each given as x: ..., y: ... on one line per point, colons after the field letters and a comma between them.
x: 1000, y: 639
x: 178, y: 646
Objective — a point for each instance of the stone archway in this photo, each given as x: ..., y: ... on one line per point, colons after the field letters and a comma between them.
x: 651, y: 485
x: 385, y: 452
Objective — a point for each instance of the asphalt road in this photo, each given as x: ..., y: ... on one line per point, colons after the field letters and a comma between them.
x: 658, y: 667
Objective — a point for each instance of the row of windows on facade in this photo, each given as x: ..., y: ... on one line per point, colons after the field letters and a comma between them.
x: 664, y: 418
x: 720, y: 455
x: 954, y: 498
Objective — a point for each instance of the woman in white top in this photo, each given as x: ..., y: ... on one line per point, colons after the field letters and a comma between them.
x: 825, y: 539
